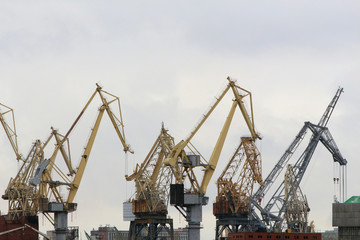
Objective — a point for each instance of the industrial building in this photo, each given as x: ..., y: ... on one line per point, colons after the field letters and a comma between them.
x: 346, y: 216
x: 330, y: 234
x: 108, y: 233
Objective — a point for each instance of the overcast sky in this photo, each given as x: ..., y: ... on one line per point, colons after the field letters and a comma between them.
x: 166, y: 61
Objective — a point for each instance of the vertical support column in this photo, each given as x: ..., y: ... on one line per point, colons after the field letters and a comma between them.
x: 194, y: 231
x: 194, y: 218
x: 342, y: 183
x: 217, y: 233
x: 150, y: 227
x: 171, y: 230
x: 153, y: 230
x: 61, y: 225
x: 346, y: 182
x: 131, y: 235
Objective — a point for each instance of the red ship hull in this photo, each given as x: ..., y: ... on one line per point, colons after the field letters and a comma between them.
x: 274, y: 236
x: 26, y: 234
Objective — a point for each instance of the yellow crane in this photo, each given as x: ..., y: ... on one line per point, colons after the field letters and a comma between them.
x: 235, y: 188
x: 22, y: 197
x: 152, y: 180
x: 235, y: 185
x: 10, y: 129
x: 183, y: 163
x: 50, y: 177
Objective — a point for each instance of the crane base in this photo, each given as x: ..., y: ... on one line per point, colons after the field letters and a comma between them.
x: 151, y: 228
x: 275, y: 236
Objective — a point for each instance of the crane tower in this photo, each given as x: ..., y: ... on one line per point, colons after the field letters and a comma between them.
x: 152, y: 181
x: 235, y: 186
x: 187, y: 194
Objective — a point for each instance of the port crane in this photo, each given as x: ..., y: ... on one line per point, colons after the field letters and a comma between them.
x: 18, y: 192
x: 50, y: 177
x: 273, y: 212
x: 235, y: 187
x: 152, y: 180
x: 22, y: 197
x: 184, y: 158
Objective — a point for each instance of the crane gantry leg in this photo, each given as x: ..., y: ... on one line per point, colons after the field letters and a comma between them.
x: 151, y: 229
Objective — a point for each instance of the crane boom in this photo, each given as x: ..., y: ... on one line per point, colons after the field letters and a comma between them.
x: 183, y: 163
x: 217, y: 150
x: 327, y: 114
x: 10, y: 131
x: 48, y: 186
x: 178, y: 150
x: 249, y: 121
x: 64, y: 153
x: 235, y: 184
x: 270, y: 179
x: 114, y: 120
x: 206, y: 115
x: 262, y: 190
x: 50, y: 177
x: 84, y: 158
x: 120, y: 132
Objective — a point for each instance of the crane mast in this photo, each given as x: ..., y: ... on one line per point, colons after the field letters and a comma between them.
x: 184, y: 158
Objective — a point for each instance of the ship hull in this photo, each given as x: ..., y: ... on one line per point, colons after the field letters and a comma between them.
x: 26, y: 234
